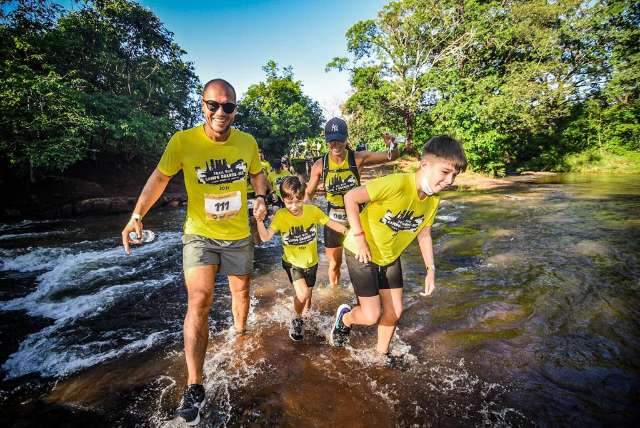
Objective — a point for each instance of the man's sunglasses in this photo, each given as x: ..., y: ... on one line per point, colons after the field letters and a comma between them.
x: 213, y: 106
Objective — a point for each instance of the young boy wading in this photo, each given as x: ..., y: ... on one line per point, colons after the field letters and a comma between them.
x: 339, y: 170
x: 398, y: 208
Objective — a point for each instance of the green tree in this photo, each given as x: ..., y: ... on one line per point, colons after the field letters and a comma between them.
x: 105, y: 80
x: 393, y: 59
x: 277, y: 113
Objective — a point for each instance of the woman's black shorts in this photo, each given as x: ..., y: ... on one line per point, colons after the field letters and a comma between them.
x: 369, y: 278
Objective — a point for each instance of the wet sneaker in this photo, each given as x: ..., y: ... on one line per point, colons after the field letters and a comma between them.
x: 296, y: 331
x: 340, y: 332
x: 191, y: 403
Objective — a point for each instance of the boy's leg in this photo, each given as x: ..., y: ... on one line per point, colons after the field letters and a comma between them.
x: 391, y: 312
x: 367, y: 313
x: 200, y: 283
x: 302, y: 296
x: 239, y: 287
x: 365, y: 279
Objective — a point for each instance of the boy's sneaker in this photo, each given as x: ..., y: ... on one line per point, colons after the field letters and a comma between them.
x: 296, y: 331
x: 340, y: 332
x: 191, y: 403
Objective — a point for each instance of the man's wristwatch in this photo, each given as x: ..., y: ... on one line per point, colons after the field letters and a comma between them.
x: 136, y: 217
x: 264, y: 197
x: 431, y: 267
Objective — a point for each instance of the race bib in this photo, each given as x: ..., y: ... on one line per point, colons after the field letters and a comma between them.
x: 222, y: 206
x: 338, y: 214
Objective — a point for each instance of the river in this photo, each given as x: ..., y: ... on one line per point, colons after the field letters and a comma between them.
x: 534, y: 321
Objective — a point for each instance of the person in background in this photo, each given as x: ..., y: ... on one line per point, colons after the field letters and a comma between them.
x: 274, y: 179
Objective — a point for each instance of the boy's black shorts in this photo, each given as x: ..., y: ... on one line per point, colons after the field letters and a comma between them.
x: 369, y: 278
x: 294, y: 273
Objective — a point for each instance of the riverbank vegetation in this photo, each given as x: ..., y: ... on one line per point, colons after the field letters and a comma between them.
x: 526, y: 85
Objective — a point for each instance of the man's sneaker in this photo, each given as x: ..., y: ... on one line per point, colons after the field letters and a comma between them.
x: 296, y: 332
x: 191, y: 403
x: 340, y: 332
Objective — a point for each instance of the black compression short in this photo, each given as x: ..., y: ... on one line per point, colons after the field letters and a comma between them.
x: 294, y: 273
x: 369, y: 278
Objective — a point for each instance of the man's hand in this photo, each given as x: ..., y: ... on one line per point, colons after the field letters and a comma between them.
x: 259, y: 208
x: 429, y: 283
x: 132, y: 226
x: 363, y: 254
x: 388, y: 139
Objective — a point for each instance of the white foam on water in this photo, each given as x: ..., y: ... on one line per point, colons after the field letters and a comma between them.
x: 51, y: 351
x: 447, y: 218
x: 36, y: 235
x: 47, y: 354
x: 66, y: 269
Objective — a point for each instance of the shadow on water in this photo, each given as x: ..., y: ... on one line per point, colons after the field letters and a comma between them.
x: 534, y: 321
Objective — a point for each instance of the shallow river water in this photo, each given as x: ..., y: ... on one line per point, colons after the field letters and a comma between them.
x: 534, y: 321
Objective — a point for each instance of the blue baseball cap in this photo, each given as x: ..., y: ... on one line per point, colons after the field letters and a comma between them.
x: 335, y: 129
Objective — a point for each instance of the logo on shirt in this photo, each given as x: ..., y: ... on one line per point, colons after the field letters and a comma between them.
x: 339, y: 185
x: 404, y: 220
x: 298, y: 235
x: 218, y: 171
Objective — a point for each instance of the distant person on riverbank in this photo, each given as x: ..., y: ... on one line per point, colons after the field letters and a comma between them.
x: 339, y: 171
x: 297, y: 225
x: 215, y: 159
x: 398, y: 208
x: 274, y: 179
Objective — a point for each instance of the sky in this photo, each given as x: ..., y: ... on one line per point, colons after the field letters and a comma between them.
x: 234, y: 39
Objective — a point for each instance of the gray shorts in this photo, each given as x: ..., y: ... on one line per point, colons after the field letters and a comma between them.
x: 233, y: 257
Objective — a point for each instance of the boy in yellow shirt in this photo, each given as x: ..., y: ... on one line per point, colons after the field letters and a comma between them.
x: 297, y: 225
x: 399, y: 208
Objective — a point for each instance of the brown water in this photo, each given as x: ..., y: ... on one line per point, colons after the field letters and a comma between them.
x: 534, y: 322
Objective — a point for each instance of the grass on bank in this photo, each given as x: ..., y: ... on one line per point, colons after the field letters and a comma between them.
x: 604, y: 161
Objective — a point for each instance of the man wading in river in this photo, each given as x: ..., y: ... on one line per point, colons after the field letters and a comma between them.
x: 339, y: 170
x: 215, y: 160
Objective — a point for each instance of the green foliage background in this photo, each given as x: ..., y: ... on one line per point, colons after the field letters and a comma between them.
x: 523, y: 84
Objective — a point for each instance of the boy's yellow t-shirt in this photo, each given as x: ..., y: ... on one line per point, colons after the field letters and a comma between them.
x: 394, y: 216
x: 215, y: 176
x: 275, y: 178
x: 299, y: 234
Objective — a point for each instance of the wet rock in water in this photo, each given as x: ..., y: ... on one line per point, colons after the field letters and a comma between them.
x: 494, y: 311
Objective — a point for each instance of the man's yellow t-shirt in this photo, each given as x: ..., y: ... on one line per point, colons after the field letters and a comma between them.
x: 299, y: 234
x: 275, y: 178
x: 215, y: 175
x: 394, y: 216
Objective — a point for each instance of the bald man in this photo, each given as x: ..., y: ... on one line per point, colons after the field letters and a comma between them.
x: 215, y: 159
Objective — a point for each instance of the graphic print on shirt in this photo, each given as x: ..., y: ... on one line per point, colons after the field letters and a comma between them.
x: 298, y: 235
x: 404, y: 220
x: 218, y: 171
x: 340, y: 185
